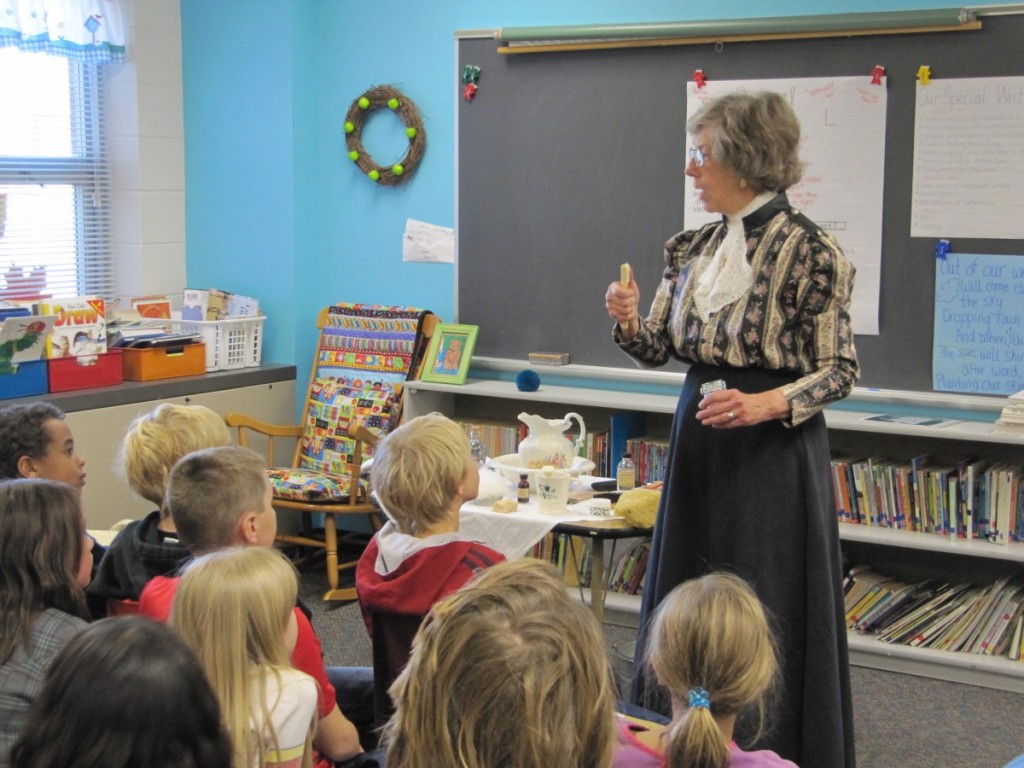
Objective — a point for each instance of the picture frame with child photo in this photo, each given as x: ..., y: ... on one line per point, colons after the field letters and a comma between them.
x: 449, y: 354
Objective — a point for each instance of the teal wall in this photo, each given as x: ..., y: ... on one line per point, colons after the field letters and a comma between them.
x: 275, y: 209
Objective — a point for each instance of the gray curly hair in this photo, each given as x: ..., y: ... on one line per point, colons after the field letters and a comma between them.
x: 756, y: 136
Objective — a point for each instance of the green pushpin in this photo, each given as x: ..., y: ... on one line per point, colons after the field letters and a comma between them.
x: 397, y: 169
x: 349, y: 127
x: 392, y: 103
x: 353, y: 155
x: 364, y: 102
x: 374, y: 175
x: 410, y: 132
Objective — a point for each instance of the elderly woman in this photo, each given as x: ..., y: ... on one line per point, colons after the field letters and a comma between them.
x: 758, y: 305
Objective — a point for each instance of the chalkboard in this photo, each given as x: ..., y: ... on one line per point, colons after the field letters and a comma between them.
x: 572, y: 163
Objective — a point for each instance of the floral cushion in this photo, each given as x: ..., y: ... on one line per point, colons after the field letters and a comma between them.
x: 310, y: 485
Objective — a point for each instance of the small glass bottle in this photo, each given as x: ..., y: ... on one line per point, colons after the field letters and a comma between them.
x: 625, y: 473
x: 476, y: 446
x: 523, y: 490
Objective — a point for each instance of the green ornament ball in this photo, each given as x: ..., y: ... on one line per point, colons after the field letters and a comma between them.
x: 392, y: 103
x: 397, y: 169
x: 374, y: 175
x: 349, y: 127
x: 410, y: 132
x: 353, y: 155
x: 364, y: 102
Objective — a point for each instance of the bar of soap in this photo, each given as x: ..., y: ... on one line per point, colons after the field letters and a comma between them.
x: 505, y: 506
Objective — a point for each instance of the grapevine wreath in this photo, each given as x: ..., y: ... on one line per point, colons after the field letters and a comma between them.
x: 378, y: 97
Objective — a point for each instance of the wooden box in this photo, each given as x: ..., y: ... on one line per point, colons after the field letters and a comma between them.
x: 164, y: 362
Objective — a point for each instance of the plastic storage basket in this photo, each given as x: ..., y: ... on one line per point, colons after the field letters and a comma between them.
x: 234, y: 342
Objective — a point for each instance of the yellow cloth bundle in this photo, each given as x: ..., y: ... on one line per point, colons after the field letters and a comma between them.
x: 639, y: 506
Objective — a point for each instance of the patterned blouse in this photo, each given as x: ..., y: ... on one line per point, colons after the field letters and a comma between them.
x: 795, y: 318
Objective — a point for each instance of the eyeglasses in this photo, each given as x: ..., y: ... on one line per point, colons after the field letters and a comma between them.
x: 698, y: 156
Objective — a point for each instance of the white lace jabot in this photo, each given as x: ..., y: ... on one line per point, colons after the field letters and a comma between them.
x: 726, y: 275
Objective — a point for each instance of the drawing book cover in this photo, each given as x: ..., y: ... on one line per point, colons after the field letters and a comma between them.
x: 80, y: 328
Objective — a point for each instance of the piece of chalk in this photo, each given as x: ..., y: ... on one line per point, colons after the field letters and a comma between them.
x: 624, y: 271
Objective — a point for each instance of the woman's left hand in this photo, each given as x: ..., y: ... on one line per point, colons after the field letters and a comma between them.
x: 732, y: 408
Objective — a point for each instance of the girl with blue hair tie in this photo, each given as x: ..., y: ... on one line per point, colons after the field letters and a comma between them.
x: 710, y: 646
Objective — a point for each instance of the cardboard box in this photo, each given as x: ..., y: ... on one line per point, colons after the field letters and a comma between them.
x: 71, y: 373
x: 30, y: 379
x: 164, y: 362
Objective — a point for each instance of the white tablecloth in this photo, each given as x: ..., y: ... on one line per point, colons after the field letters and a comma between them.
x: 514, y: 534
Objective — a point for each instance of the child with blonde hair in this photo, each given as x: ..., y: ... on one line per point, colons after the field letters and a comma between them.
x: 508, y: 671
x: 45, y: 562
x: 151, y: 547
x: 422, y: 473
x: 235, y: 608
x: 711, y: 647
x: 220, y: 499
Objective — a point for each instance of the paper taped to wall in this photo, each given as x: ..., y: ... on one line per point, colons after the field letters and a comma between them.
x: 428, y: 242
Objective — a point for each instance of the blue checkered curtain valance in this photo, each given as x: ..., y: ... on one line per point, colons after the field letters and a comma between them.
x: 87, y: 30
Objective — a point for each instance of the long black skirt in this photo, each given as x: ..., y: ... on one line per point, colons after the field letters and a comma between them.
x: 757, y: 501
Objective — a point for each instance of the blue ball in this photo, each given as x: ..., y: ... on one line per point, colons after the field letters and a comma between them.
x: 527, y: 381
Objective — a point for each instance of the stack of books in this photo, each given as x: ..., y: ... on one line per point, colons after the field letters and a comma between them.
x: 1011, y: 420
x: 630, y: 571
x: 947, y: 617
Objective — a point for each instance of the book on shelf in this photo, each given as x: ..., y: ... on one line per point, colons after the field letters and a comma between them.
x: 650, y: 455
x: 569, y: 554
x: 1015, y: 641
x: 917, y: 621
x: 500, y: 438
x: 1003, y: 510
x: 155, y: 307
x: 902, y: 601
x: 1011, y: 418
x: 946, y: 617
x: 596, y: 450
x: 863, y: 589
x: 628, y: 572
x: 975, y: 470
x: 80, y: 329
x: 23, y: 339
x: 621, y: 427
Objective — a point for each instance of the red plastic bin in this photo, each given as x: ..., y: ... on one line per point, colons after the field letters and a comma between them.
x: 68, y: 373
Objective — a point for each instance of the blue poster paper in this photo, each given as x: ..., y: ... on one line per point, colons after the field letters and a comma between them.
x: 978, y: 345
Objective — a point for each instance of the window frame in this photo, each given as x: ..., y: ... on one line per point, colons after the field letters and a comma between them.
x: 87, y: 170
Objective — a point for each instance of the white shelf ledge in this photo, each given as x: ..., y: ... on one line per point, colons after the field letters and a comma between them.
x: 931, y: 542
x: 971, y: 668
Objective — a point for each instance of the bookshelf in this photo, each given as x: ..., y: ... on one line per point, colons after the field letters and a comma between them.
x: 597, y: 392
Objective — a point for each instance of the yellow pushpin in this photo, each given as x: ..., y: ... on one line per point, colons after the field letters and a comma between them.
x: 924, y: 74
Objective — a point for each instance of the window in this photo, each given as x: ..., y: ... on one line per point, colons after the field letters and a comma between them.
x: 55, y: 196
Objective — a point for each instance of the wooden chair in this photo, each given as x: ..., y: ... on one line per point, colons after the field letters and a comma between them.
x: 364, y: 355
x: 358, y: 502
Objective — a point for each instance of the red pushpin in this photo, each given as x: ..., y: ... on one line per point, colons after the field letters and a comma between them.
x: 469, y: 91
x: 698, y: 77
x: 876, y: 74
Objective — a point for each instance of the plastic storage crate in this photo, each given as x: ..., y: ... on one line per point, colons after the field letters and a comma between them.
x: 234, y: 342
